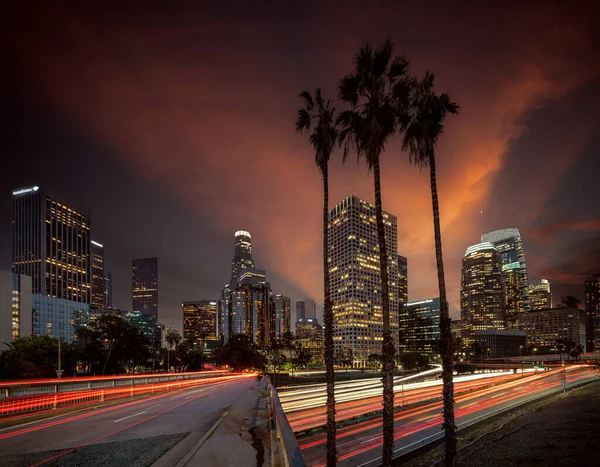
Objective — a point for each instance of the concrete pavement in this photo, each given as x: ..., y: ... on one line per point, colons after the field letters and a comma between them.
x: 136, y: 433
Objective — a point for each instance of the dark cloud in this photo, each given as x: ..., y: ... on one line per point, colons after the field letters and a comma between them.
x: 175, y: 126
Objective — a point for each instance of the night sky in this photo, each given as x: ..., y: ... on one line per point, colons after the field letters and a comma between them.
x: 175, y: 128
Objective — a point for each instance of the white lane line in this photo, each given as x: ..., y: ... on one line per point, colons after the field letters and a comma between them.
x: 129, y: 416
x: 151, y: 407
x: 372, y: 439
x: 189, y: 397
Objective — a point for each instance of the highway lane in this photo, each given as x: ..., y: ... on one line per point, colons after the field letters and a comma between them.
x: 359, y: 445
x: 133, y: 433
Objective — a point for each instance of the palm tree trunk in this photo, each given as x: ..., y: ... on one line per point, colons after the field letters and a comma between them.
x: 388, y: 349
x: 445, y: 329
x: 328, y: 318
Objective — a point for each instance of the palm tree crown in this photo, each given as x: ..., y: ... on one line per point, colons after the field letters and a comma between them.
x: 325, y: 133
x: 424, y: 120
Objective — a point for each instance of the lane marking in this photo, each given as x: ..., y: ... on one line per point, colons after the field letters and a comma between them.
x: 129, y: 416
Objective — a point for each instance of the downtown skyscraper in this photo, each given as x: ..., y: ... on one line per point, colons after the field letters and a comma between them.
x: 592, y: 312
x: 98, y: 278
x: 482, y: 296
x: 200, y: 323
x: 355, y: 278
x: 144, y: 286
x: 51, y: 244
x: 244, y: 306
x: 509, y: 246
x: 540, y: 297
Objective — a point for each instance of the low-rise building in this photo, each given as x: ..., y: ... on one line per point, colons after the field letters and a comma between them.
x: 500, y: 343
x: 545, y: 327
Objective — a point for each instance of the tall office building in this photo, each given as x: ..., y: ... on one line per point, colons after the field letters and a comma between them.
x: 422, y: 327
x: 98, y: 296
x: 51, y: 244
x: 16, y: 311
x: 244, y: 306
x: 306, y: 309
x: 545, y: 327
x: 482, y: 298
x: 509, y: 246
x: 592, y: 310
x: 108, y: 301
x: 355, y: 278
x: 540, y: 297
x: 281, y: 306
x: 200, y: 322
x: 402, y: 301
x: 145, y: 286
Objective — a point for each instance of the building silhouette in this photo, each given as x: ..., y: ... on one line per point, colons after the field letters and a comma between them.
x: 200, y: 323
x: 51, y: 244
x: 540, y: 297
x: 482, y: 297
x: 108, y: 300
x: 354, y: 273
x: 144, y: 286
x: 592, y: 312
x: 509, y: 246
x: 98, y: 280
x: 421, y: 325
x: 281, y: 306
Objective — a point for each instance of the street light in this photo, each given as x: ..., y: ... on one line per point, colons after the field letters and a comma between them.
x: 520, y: 360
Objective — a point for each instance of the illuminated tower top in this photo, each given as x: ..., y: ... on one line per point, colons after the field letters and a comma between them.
x: 242, y: 258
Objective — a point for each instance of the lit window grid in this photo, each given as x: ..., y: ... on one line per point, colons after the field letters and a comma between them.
x: 355, y: 279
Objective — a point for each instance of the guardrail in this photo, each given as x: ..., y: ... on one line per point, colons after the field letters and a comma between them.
x: 54, y: 385
x: 473, y: 421
x: 45, y: 396
x: 284, y: 446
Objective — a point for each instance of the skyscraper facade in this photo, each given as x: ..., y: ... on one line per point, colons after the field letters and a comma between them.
x: 592, y: 310
x: 281, y: 306
x: 540, y: 297
x: 98, y: 295
x: 15, y: 307
x: 422, y: 329
x: 355, y: 278
x: 51, y: 244
x: 244, y: 306
x: 402, y: 301
x: 545, y: 327
x: 306, y: 309
x: 509, y: 246
x: 108, y: 301
x: 144, y: 287
x: 482, y: 296
x: 200, y: 322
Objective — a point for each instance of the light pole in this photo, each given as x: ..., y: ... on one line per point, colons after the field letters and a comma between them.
x: 521, y: 361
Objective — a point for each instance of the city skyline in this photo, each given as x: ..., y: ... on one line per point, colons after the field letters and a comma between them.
x: 515, y: 151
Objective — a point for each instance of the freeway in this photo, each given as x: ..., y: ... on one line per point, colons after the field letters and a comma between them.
x: 359, y: 445
x: 132, y: 433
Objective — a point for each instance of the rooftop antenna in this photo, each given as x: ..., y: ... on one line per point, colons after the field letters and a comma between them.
x: 481, y: 223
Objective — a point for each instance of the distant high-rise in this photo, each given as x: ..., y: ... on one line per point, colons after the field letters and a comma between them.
x: 108, y: 300
x: 355, y: 279
x: 15, y: 307
x: 545, y: 327
x: 145, y: 286
x: 244, y: 306
x: 402, y: 301
x: 51, y: 244
x: 482, y: 298
x: 422, y: 328
x: 242, y: 258
x: 509, y: 246
x: 540, y: 297
x: 306, y: 309
x: 592, y: 311
x: 200, y: 322
x: 98, y: 296
x: 281, y: 306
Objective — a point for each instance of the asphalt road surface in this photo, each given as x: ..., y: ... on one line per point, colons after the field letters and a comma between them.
x: 359, y: 445
x: 132, y: 433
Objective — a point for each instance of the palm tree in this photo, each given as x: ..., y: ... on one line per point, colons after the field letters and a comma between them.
x: 423, y: 127
x: 569, y: 301
x: 323, y: 139
x: 172, y: 340
x: 374, y: 91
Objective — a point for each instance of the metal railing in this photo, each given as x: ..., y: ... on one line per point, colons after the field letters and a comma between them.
x: 284, y: 446
x: 27, y: 396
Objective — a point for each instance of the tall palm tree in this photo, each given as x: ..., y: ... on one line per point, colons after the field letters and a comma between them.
x: 422, y: 128
x: 374, y: 91
x: 323, y: 140
x: 569, y: 301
